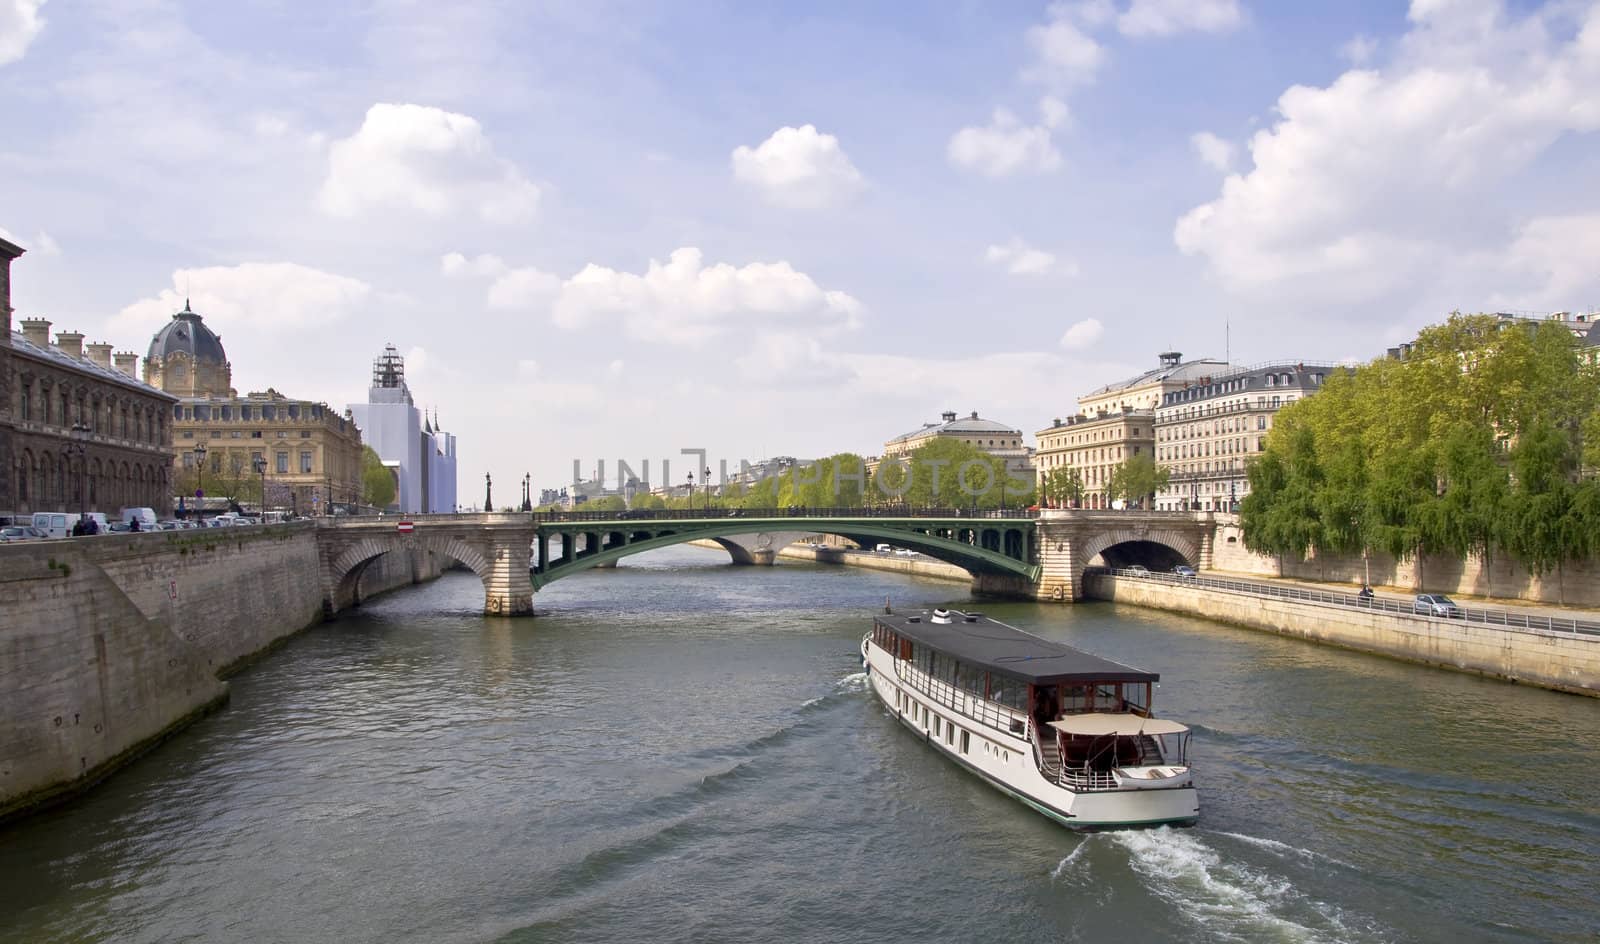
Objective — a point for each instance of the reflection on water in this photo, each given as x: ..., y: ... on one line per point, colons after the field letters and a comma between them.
x: 678, y: 750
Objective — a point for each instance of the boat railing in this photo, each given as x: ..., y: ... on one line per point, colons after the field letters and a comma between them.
x: 981, y: 710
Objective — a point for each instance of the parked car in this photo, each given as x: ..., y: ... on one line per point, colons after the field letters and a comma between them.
x: 19, y: 532
x: 145, y: 516
x: 1138, y: 570
x: 1184, y: 570
x: 116, y: 527
x: 883, y: 549
x: 1436, y: 604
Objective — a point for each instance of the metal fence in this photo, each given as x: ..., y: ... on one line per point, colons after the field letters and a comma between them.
x: 1467, y: 614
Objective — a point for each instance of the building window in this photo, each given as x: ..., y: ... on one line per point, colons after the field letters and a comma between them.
x: 256, y: 434
x: 188, y: 434
x: 235, y: 434
x: 305, y: 434
x: 305, y: 462
x: 283, y: 463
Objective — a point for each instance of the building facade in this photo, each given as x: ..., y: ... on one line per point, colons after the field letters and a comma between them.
x: 78, y: 431
x: 423, y: 458
x: 277, y: 452
x: 1095, y: 446
x: 995, y: 438
x: 1207, y: 431
x: 1115, y: 423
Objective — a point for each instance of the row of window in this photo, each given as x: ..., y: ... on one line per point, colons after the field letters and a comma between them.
x: 105, y: 417
x: 246, y: 412
x: 1116, y: 432
x: 239, y: 434
x: 238, y: 464
x: 49, y: 481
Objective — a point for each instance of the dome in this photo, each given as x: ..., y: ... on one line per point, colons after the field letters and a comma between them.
x: 186, y: 334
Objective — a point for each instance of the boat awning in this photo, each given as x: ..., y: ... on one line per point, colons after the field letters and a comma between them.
x: 1097, y: 724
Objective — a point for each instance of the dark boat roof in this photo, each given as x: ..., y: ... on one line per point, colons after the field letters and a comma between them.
x: 980, y: 641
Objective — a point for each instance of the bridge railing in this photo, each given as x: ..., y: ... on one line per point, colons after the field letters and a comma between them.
x: 875, y: 511
x: 1484, y: 616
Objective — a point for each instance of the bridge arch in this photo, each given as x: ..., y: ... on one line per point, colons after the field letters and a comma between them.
x: 978, y: 546
x: 342, y: 574
x: 1156, y: 548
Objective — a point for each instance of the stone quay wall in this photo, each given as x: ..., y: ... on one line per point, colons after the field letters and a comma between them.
x: 1577, y: 584
x: 110, y: 643
x: 1562, y: 661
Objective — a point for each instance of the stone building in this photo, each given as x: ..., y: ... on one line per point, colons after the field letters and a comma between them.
x: 1115, y: 423
x: 1207, y: 431
x: 995, y: 438
x: 312, y: 454
x: 78, y: 431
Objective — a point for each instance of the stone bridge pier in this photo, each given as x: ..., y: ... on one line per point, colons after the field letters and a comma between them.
x: 493, y: 546
x: 760, y: 548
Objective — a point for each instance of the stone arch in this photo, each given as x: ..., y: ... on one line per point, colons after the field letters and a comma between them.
x: 1185, y: 546
x: 342, y: 575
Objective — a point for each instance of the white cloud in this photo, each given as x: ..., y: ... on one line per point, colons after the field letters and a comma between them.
x: 1064, y: 56
x: 799, y: 168
x: 1166, y: 17
x: 1217, y: 153
x: 427, y: 160
x: 43, y: 244
x: 1018, y: 258
x: 1550, y: 264
x: 254, y: 296
x: 20, y: 23
x: 1359, y: 50
x: 521, y: 289
x: 684, y: 301
x: 614, y: 368
x: 1005, y: 147
x: 454, y: 265
x: 1083, y: 334
x: 1387, y: 178
x: 527, y: 367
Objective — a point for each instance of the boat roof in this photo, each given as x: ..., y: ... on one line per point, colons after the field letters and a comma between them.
x: 980, y: 641
x: 1101, y: 723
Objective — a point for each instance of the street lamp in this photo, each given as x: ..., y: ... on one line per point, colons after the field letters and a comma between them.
x: 691, y: 492
x: 200, y: 484
x: 705, y: 483
x: 80, y: 448
x: 261, y: 470
x: 527, y: 492
x: 488, y: 491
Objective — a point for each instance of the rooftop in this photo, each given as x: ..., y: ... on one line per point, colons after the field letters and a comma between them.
x: 50, y: 352
x: 968, y: 424
x: 1173, y: 368
x: 979, y: 641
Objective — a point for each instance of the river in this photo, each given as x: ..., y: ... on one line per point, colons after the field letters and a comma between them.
x: 680, y: 750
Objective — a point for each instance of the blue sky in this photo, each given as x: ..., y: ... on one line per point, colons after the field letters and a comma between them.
x: 860, y: 215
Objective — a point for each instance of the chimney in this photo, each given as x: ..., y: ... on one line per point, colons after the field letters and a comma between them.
x: 127, y: 362
x: 99, y: 353
x: 949, y: 416
x: 70, y: 343
x: 974, y: 414
x: 37, y: 331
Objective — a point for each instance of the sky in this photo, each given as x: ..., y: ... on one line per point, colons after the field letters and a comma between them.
x: 602, y: 230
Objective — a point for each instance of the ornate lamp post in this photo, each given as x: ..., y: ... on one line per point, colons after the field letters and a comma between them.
x: 691, y: 491
x: 200, y: 485
x: 261, y: 470
x: 527, y: 491
x: 80, y: 448
x: 488, y: 492
x: 705, y: 483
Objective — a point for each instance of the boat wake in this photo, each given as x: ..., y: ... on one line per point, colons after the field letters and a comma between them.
x: 1229, y: 899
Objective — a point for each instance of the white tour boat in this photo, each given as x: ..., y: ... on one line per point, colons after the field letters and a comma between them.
x: 1064, y: 731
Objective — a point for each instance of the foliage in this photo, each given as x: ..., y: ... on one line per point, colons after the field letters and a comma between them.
x: 948, y: 473
x: 644, y: 501
x: 604, y: 503
x: 1136, y: 480
x: 1483, y: 440
x: 1063, y: 487
x: 377, y: 481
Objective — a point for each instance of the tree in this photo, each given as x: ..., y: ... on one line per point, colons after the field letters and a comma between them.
x: 377, y: 480
x: 644, y: 501
x: 948, y: 473
x: 1137, y: 479
x: 605, y: 503
x: 1063, y: 487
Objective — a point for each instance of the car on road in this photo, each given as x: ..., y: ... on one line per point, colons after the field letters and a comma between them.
x: 20, y: 532
x: 1138, y: 570
x: 1184, y: 570
x: 1436, y: 604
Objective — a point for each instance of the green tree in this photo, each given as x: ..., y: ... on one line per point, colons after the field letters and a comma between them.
x: 1136, y: 480
x: 644, y: 501
x: 377, y: 480
x: 948, y: 473
x: 1063, y: 487
x: 605, y: 503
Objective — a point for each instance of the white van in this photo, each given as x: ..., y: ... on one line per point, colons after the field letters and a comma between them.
x: 145, y: 516
x: 882, y: 549
x: 56, y: 524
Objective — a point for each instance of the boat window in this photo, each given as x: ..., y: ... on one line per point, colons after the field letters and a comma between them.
x: 1138, y: 696
x: 1008, y: 691
x: 1074, y: 698
x: 966, y: 741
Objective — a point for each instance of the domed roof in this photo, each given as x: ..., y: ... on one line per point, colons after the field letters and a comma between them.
x: 186, y: 334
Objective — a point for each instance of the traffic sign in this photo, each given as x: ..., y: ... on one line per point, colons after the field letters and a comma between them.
x: 404, y: 527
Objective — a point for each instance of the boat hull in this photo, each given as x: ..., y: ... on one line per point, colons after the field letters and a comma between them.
x: 1006, y: 762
